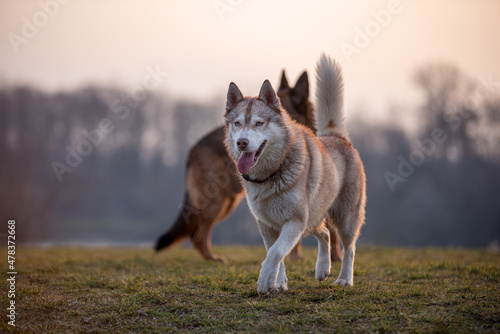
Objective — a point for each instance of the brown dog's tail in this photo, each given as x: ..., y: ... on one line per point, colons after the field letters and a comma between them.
x: 177, y: 232
x: 329, y: 98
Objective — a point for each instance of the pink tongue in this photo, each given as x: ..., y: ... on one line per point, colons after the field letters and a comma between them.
x: 245, y: 161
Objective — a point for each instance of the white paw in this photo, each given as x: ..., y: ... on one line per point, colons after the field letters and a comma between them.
x: 322, y: 270
x: 322, y: 275
x: 281, y: 282
x: 343, y: 282
x: 265, y: 285
x: 267, y: 278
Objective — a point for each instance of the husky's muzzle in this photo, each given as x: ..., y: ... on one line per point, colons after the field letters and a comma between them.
x: 248, y: 158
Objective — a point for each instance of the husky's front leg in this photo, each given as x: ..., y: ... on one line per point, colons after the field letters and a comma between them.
x: 269, y: 235
x: 273, y: 264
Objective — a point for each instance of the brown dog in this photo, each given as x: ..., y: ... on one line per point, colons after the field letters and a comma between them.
x: 212, y: 187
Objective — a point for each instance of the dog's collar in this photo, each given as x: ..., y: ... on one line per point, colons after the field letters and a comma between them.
x: 270, y: 177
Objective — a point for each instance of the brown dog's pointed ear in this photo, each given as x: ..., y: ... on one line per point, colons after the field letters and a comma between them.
x: 284, y: 81
x: 268, y: 96
x: 234, y: 96
x: 301, y: 89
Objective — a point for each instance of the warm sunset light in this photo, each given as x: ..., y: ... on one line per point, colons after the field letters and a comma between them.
x: 203, y: 45
x: 220, y: 166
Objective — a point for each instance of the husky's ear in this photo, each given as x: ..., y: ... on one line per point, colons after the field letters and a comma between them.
x: 300, y: 92
x: 234, y: 96
x: 284, y: 81
x: 268, y: 96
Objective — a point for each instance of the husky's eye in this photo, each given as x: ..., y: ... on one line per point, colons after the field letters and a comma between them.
x: 259, y: 123
x: 237, y: 123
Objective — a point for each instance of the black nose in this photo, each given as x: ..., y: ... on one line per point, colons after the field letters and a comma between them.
x: 242, y: 143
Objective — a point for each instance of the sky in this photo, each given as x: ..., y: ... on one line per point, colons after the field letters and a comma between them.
x: 204, y: 45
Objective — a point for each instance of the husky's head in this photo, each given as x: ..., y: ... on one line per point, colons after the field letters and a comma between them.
x: 256, y: 133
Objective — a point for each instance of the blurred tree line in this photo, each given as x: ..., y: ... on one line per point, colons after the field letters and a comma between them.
x: 96, y: 165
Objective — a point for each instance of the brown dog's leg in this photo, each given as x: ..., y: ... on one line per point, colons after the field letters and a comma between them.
x: 202, y: 241
x: 296, y: 253
x: 336, y: 253
x: 201, y: 235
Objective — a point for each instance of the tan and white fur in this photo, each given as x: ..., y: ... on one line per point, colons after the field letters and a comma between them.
x: 296, y: 182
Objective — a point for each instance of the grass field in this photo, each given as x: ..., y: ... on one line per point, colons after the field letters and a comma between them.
x: 136, y: 291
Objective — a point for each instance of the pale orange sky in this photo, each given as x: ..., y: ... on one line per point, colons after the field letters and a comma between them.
x: 112, y: 42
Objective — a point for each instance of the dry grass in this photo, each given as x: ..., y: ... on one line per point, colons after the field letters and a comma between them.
x: 136, y: 291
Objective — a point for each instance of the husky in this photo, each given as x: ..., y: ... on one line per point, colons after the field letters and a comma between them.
x: 210, y: 167
x: 296, y: 182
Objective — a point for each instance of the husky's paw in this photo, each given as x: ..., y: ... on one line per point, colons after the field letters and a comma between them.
x: 267, y: 277
x: 281, y: 282
x: 322, y: 275
x: 265, y: 285
x: 342, y: 282
x: 322, y: 270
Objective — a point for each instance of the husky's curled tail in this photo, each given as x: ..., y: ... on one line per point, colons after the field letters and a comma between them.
x: 329, y: 98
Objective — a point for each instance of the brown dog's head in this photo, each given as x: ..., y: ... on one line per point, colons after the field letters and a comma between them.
x: 295, y: 100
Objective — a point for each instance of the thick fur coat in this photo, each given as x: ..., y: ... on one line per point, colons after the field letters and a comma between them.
x: 297, y: 183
